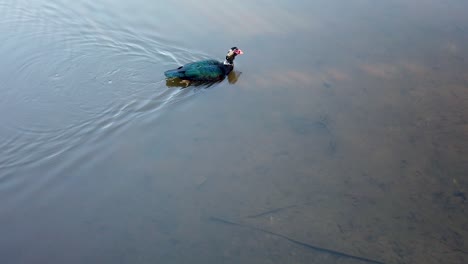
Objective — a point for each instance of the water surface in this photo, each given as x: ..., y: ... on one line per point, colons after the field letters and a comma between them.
x: 345, y: 126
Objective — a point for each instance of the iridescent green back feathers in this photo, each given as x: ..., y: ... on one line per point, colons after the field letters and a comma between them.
x: 207, y: 70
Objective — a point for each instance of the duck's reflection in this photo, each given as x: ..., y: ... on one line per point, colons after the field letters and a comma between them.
x: 232, y: 78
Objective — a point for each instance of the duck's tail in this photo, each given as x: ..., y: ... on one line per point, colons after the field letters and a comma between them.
x: 176, y: 73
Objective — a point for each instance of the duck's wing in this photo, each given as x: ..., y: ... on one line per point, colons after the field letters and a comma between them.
x: 200, y: 71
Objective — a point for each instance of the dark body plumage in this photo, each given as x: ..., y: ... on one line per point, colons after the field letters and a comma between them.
x: 206, y: 70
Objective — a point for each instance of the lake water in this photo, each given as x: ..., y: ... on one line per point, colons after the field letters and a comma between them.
x: 341, y: 136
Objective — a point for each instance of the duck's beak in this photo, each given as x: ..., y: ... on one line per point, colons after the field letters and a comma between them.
x: 239, y: 52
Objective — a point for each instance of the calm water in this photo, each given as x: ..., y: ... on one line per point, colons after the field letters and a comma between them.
x: 344, y: 127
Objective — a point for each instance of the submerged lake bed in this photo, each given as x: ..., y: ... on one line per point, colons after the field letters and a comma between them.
x: 340, y: 137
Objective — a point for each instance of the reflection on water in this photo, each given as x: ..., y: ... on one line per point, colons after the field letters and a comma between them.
x: 232, y: 78
x: 341, y: 137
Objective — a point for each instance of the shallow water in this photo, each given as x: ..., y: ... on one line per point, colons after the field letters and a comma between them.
x: 344, y: 126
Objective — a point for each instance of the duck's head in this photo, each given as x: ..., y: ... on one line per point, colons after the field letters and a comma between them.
x: 232, y: 53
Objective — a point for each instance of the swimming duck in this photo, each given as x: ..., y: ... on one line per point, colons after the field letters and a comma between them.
x: 205, y: 70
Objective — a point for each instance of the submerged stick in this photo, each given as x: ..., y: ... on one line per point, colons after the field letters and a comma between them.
x: 272, y: 211
x: 297, y: 242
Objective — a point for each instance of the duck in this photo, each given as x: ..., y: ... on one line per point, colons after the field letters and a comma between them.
x: 205, y: 70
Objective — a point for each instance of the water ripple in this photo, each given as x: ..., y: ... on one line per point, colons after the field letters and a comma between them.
x: 86, y: 78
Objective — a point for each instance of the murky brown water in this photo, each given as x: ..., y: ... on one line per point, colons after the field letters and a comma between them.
x: 344, y: 132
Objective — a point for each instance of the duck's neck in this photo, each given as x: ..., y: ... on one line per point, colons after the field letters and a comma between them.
x: 230, y: 58
x: 227, y: 67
